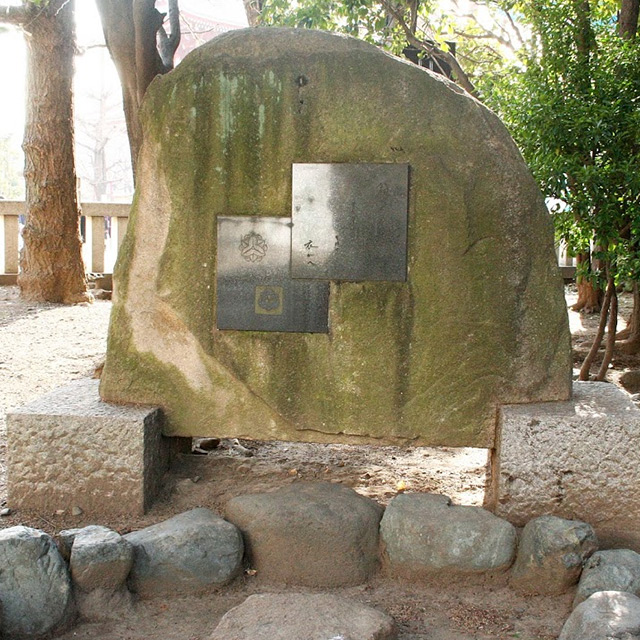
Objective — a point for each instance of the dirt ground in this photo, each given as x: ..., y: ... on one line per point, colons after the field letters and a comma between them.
x: 46, y: 345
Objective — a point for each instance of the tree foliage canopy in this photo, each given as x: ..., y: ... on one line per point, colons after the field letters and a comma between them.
x: 480, y: 44
x: 573, y: 105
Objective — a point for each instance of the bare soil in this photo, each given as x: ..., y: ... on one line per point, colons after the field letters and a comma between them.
x: 46, y: 345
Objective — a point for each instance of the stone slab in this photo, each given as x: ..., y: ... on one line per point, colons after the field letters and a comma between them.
x: 578, y: 459
x: 313, y: 616
x: 68, y: 448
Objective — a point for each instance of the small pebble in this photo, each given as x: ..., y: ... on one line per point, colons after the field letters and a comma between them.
x: 76, y: 511
x: 5, y: 512
x: 196, y: 479
x: 60, y: 512
x: 208, y: 444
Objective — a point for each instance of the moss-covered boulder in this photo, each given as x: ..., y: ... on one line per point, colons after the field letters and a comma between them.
x: 479, y: 322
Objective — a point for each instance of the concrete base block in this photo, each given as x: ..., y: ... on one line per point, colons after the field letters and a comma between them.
x: 69, y: 449
x: 578, y: 459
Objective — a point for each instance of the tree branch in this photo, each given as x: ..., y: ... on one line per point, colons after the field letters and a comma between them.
x: 167, y: 44
x: 515, y: 27
x: 413, y: 9
x: 434, y: 51
x: 253, y: 9
x: 147, y: 20
x: 487, y: 34
x: 14, y: 15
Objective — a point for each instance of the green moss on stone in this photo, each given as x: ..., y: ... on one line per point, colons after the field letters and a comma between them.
x: 480, y: 321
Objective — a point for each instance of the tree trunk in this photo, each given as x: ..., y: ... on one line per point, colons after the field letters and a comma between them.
x: 628, y: 19
x: 253, y: 9
x: 119, y: 34
x: 133, y: 32
x: 630, y: 335
x: 611, y: 332
x: 51, y: 261
x: 589, y: 298
x: 585, y: 369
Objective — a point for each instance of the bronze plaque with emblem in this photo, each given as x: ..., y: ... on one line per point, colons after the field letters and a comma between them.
x: 255, y: 291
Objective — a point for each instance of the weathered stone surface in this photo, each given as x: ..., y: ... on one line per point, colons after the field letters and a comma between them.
x: 100, y: 559
x: 551, y: 554
x: 606, y: 615
x: 64, y: 539
x: 610, y: 570
x: 221, y: 134
x: 578, y: 459
x: 292, y: 616
x: 192, y: 552
x: 35, y: 588
x: 69, y: 448
x: 104, y: 604
x: 425, y: 533
x: 630, y: 380
x: 315, y: 534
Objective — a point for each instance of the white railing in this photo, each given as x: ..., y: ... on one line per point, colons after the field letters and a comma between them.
x: 103, y: 223
x: 566, y: 263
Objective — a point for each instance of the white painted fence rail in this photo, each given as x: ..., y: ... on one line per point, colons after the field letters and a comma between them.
x: 104, y: 225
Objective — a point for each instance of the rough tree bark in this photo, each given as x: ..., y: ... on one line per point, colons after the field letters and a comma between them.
x: 51, y: 262
x: 589, y: 297
x: 253, y: 9
x: 593, y: 352
x: 140, y: 49
x: 628, y: 19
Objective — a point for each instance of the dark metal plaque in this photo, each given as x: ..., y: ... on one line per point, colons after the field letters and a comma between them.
x: 350, y: 221
x: 255, y: 291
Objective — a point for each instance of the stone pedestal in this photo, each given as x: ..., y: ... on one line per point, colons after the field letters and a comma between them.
x: 69, y: 449
x: 578, y: 459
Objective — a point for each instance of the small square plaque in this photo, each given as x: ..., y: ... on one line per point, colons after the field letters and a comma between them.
x: 350, y: 221
x: 255, y: 291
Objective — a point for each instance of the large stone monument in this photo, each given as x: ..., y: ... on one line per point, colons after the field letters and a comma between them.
x: 330, y: 244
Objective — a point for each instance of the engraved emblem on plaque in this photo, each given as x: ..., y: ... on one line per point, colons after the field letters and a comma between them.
x: 269, y: 300
x: 253, y: 247
x: 350, y: 221
x: 254, y: 288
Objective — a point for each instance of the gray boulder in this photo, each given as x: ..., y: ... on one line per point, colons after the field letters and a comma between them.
x: 611, y: 570
x: 630, y: 380
x: 35, y: 588
x: 190, y: 553
x: 101, y: 605
x: 100, y: 559
x: 551, y: 555
x: 64, y: 539
x: 292, y: 616
x: 606, y: 615
x: 309, y: 533
x: 425, y: 533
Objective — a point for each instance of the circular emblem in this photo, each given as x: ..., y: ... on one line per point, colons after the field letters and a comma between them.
x: 269, y: 300
x: 253, y: 247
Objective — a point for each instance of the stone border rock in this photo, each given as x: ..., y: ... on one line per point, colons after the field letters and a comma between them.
x: 198, y: 551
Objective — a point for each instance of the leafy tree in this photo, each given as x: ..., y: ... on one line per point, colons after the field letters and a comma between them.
x: 393, y: 25
x: 51, y: 262
x: 572, y: 104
